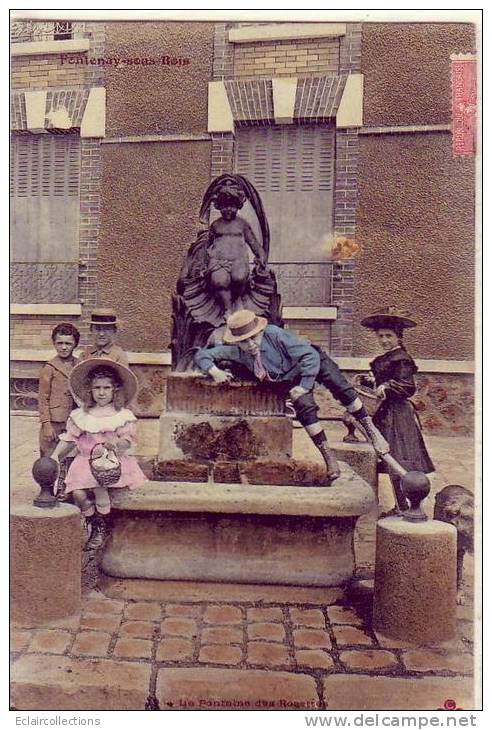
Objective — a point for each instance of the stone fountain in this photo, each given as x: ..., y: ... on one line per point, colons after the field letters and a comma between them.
x: 227, y: 501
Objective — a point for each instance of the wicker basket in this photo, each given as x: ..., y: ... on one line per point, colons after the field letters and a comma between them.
x: 104, y: 477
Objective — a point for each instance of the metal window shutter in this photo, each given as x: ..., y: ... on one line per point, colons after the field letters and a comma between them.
x: 45, y: 198
x: 45, y: 210
x: 292, y: 168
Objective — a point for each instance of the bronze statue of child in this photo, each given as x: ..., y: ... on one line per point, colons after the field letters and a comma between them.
x: 229, y: 239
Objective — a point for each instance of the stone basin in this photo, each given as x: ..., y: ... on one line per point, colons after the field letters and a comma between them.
x: 237, y: 533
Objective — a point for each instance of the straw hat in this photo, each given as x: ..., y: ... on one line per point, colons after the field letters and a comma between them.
x: 388, y: 318
x: 243, y: 324
x: 82, y: 371
x: 103, y: 315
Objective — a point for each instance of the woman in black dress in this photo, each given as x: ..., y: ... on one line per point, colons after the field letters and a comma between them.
x: 394, y: 383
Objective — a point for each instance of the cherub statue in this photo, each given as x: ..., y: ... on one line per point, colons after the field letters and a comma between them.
x: 217, y: 278
x: 229, y: 238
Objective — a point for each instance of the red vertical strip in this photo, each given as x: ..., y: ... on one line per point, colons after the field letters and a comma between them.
x: 464, y: 104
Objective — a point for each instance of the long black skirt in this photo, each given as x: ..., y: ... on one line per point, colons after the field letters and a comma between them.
x: 397, y: 421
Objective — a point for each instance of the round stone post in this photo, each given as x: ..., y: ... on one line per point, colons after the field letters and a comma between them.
x: 45, y: 570
x: 415, y: 580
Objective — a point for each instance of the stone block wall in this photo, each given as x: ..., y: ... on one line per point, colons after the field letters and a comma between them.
x: 319, y: 333
x: 33, y: 331
x: 444, y: 401
x: 47, y: 71
x: 287, y: 58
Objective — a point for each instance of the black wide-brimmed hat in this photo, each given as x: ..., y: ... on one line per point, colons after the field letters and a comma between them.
x: 388, y: 318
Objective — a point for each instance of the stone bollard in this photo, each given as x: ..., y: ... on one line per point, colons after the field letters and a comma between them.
x: 45, y: 571
x: 415, y: 580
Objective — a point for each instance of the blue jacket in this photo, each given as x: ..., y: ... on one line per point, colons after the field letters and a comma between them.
x: 284, y: 355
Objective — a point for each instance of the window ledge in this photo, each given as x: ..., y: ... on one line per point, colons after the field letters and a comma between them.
x: 456, y: 367
x: 425, y: 366
x: 149, y: 358
x: 51, y: 309
x: 324, y: 313
x: 285, y: 32
x: 134, y: 358
x: 37, y: 48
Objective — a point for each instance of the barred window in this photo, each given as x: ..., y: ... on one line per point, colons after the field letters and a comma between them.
x: 25, y: 31
x: 63, y: 30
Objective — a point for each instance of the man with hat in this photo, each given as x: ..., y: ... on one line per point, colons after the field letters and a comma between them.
x: 104, y: 324
x: 275, y: 354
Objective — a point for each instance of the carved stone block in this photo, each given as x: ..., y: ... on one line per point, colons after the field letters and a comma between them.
x: 195, y: 393
x: 224, y: 438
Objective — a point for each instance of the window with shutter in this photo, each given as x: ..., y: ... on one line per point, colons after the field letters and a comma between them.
x: 45, y: 206
x: 28, y: 31
x: 292, y: 167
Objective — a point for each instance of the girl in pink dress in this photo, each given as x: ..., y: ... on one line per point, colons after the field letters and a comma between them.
x: 102, y: 430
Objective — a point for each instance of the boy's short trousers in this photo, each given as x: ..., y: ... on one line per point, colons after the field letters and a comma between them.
x: 47, y: 445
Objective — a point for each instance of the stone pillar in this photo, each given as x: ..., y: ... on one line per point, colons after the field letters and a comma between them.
x: 415, y: 580
x: 45, y: 570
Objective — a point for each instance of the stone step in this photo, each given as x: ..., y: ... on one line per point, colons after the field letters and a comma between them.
x: 197, y: 592
x: 63, y: 683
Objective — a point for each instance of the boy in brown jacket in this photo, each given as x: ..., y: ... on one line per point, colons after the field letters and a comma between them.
x: 55, y: 400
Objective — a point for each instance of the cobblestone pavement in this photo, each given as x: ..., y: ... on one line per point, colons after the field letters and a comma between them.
x: 175, y: 646
x: 173, y: 654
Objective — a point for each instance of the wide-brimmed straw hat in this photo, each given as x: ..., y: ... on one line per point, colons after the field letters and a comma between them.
x: 243, y: 324
x: 82, y: 373
x: 104, y: 315
x: 388, y: 318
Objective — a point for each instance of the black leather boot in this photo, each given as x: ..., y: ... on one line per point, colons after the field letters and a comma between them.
x: 98, y: 532
x: 376, y: 438
x: 332, y: 468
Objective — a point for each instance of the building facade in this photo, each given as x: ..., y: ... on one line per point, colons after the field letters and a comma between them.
x: 344, y: 129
